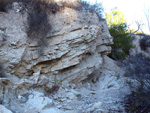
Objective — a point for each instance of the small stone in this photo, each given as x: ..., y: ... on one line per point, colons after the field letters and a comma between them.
x: 63, y: 99
x: 19, y: 97
x: 92, y: 93
x: 97, y: 105
x: 70, y: 95
x: 67, y: 107
x: 38, y: 101
x: 59, y: 106
x: 36, y: 74
x: 75, y: 92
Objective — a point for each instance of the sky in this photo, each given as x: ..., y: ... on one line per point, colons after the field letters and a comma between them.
x: 132, y: 9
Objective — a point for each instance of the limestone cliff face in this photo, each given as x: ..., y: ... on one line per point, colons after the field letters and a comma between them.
x: 73, y: 48
x: 33, y: 66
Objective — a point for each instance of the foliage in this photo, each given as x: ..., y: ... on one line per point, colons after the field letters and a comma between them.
x: 118, y: 29
x: 95, y: 8
x: 137, y: 69
x: 84, y: 5
x: 133, y: 30
x: 115, y: 17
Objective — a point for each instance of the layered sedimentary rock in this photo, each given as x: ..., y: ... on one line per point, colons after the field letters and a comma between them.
x: 73, y: 48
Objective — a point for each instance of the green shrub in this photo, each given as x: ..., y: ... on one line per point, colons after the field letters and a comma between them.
x: 122, y: 43
x: 118, y: 29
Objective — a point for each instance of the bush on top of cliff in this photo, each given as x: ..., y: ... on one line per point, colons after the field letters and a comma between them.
x: 54, y: 5
x: 118, y: 29
x: 82, y: 5
x: 95, y: 8
x: 122, y: 43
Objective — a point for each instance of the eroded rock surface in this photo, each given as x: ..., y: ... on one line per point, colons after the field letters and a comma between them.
x: 74, y: 49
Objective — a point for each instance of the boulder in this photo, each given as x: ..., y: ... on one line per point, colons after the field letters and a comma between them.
x: 38, y: 101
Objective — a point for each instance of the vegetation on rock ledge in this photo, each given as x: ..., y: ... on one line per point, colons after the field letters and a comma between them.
x: 118, y: 29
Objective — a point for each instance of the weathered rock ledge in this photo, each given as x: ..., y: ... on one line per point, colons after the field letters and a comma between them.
x: 73, y: 49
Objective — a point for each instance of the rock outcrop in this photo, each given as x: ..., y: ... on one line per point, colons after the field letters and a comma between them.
x: 74, y: 48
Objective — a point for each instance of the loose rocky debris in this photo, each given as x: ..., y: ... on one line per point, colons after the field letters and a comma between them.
x: 105, y: 95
